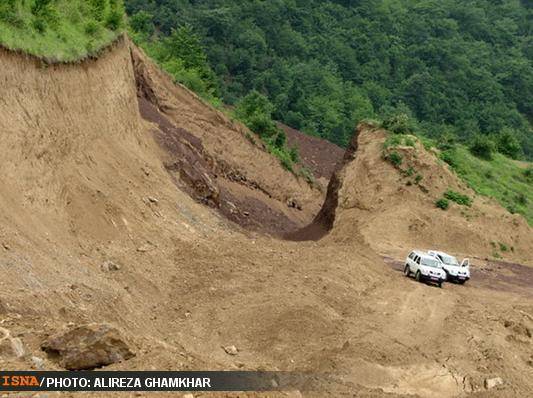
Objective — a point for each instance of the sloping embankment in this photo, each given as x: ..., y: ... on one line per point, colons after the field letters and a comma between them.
x: 393, y: 208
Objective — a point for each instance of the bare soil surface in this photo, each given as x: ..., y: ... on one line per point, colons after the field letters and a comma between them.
x: 317, y: 154
x: 86, y: 179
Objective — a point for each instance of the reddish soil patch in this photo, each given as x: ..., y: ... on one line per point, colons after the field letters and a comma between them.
x: 318, y: 155
x: 194, y: 171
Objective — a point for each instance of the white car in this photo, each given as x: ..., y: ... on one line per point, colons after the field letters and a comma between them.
x: 424, y: 267
x: 459, y: 273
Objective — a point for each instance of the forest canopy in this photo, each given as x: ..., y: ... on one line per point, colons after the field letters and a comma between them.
x: 454, y: 67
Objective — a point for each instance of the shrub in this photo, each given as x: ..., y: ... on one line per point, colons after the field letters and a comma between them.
x: 92, y: 28
x: 307, y: 175
x: 410, y: 172
x: 392, y: 141
x: 508, y: 144
x: 399, y: 123
x: 482, y: 147
x: 394, y: 158
x: 98, y: 9
x: 503, y: 247
x: 458, y: 198
x: 294, y: 154
x: 528, y: 173
x: 521, y: 199
x: 449, y: 157
x: 9, y: 13
x: 409, y: 141
x: 418, y: 179
x: 442, y: 204
x: 115, y: 18
x: 447, y: 141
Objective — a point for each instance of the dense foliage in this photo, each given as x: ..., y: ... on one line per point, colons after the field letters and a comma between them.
x: 61, y: 30
x: 455, y: 66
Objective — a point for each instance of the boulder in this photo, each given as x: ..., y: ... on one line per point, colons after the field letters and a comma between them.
x: 492, y: 383
x: 110, y: 266
x: 87, y: 347
x: 231, y: 350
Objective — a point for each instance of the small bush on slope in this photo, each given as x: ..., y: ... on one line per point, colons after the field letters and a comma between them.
x: 60, y: 30
x: 460, y: 199
x: 255, y: 111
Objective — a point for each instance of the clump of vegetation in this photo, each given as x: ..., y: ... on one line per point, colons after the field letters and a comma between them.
x: 396, y: 140
x: 255, y: 111
x: 399, y: 123
x: 503, y: 247
x: 460, y: 199
x: 394, y: 157
x: 60, y: 30
x: 418, y: 179
x: 528, y: 174
x: 443, y: 203
x: 508, y: 145
x: 482, y: 147
x: 307, y: 175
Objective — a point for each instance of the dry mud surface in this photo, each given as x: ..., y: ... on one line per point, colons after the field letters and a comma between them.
x: 86, y: 180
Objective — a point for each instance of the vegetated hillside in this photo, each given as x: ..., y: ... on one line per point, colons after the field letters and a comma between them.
x: 60, y: 30
x: 98, y: 228
x: 510, y: 182
x: 399, y: 196
x: 455, y: 67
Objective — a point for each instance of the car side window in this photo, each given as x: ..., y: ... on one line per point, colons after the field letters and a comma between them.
x: 418, y: 260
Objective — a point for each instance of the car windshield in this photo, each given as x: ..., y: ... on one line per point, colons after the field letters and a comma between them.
x: 449, y: 260
x: 429, y: 262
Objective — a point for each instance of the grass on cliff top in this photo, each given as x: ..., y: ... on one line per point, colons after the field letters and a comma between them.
x: 60, y: 30
x: 508, y: 181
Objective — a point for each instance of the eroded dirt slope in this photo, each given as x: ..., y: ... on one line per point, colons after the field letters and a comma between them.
x: 86, y: 180
x: 251, y: 187
x: 393, y: 207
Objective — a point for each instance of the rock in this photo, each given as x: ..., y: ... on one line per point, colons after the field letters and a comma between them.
x: 492, y: 383
x: 87, y: 347
x: 110, y: 266
x: 6, y: 246
x: 11, y: 348
x: 151, y: 199
x: 231, y: 350
x: 293, y: 203
x: 37, y: 362
x: 145, y: 248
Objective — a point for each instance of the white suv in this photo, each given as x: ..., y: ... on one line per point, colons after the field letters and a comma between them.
x: 459, y: 273
x: 424, y: 267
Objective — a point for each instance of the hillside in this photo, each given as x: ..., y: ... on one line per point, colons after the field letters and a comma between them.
x: 386, y: 194
x: 101, y: 165
x: 508, y: 181
x: 455, y: 67
x: 60, y: 30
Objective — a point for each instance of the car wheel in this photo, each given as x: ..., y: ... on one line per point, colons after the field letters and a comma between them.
x: 407, y: 270
x: 440, y: 285
x: 462, y: 282
x: 417, y: 276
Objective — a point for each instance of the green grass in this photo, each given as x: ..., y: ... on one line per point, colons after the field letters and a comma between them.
x: 64, y: 30
x: 506, y: 180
